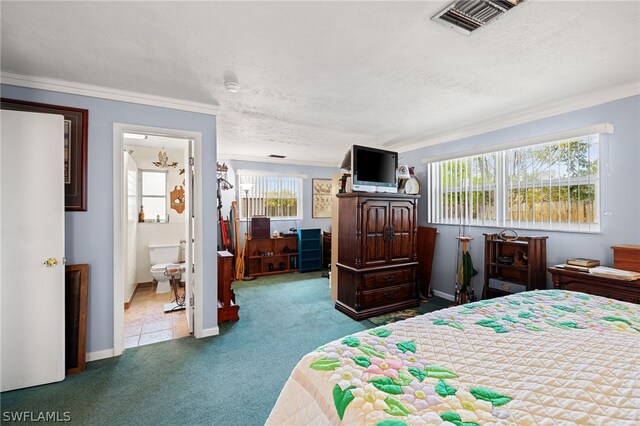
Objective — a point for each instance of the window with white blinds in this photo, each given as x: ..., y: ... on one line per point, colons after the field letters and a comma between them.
x: 549, y: 186
x: 278, y: 197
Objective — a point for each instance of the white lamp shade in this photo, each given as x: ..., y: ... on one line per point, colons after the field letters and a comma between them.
x: 246, y: 186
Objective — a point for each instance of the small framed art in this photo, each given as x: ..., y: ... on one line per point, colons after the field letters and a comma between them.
x: 321, y: 198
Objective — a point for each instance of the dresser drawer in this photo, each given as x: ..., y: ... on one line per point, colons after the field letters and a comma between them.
x: 388, y: 295
x: 389, y: 278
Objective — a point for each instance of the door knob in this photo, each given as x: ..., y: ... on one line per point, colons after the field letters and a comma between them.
x: 52, y: 261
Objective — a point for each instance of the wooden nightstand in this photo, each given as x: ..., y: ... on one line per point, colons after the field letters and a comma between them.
x: 627, y: 291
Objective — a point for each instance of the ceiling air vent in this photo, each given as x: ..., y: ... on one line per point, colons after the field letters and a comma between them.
x: 276, y: 156
x: 466, y: 16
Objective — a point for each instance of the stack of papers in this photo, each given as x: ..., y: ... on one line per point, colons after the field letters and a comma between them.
x: 619, y: 274
x: 603, y: 271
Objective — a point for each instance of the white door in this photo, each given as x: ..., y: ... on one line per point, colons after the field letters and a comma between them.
x: 131, y: 228
x: 32, y: 249
x: 189, y: 220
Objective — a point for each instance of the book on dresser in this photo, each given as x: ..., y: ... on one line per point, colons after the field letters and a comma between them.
x: 573, y: 267
x: 585, y: 263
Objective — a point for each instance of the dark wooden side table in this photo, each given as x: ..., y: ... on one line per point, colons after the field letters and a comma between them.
x: 627, y: 291
x: 227, y: 308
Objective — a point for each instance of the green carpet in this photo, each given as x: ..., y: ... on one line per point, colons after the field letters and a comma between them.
x: 231, y: 379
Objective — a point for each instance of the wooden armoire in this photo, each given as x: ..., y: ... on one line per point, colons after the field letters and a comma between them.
x: 377, y: 256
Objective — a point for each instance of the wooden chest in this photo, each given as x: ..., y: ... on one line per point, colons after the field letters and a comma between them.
x: 260, y: 227
x: 626, y: 257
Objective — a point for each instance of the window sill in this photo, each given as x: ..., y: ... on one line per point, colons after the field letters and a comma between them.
x: 520, y: 228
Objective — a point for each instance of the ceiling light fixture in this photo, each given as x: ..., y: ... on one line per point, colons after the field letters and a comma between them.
x: 163, y: 160
x: 232, y: 86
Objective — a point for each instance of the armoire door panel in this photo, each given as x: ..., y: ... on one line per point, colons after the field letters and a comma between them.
x: 375, y: 216
x: 401, y: 219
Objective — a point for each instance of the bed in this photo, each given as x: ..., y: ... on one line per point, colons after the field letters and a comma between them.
x: 535, y: 358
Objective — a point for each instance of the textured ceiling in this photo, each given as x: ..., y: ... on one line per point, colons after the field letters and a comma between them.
x: 317, y: 77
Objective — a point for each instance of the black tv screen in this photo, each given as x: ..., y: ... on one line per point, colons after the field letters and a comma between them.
x: 374, y: 167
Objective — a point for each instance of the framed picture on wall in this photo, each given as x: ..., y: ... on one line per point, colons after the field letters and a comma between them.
x: 76, y: 121
x: 321, y: 198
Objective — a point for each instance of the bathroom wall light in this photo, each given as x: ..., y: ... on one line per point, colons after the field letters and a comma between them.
x: 134, y: 136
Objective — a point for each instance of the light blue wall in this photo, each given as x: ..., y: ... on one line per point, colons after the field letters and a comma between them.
x: 621, y: 187
x: 310, y: 171
x: 89, y: 235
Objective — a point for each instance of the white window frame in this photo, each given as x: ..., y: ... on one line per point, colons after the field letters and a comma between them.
x: 166, y: 193
x: 254, y: 192
x: 434, y: 192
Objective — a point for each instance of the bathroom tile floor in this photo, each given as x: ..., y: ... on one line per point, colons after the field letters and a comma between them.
x: 145, y: 321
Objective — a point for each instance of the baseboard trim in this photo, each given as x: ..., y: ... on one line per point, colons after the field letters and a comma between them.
x: 443, y: 295
x: 95, y: 356
x: 145, y: 284
x: 208, y: 332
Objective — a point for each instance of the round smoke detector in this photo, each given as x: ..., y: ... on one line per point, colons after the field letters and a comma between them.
x: 232, y: 86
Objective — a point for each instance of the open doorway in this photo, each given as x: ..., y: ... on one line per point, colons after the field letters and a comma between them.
x: 155, y: 234
x: 156, y: 245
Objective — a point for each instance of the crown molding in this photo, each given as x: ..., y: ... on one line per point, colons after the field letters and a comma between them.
x: 226, y: 156
x: 573, y: 104
x: 93, y: 91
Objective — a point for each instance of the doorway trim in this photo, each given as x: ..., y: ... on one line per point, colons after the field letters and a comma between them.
x: 119, y: 274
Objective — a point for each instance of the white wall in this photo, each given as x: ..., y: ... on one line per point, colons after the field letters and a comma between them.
x: 619, y: 194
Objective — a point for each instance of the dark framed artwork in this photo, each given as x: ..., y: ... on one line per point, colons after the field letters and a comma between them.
x: 76, y: 121
x: 76, y: 294
x: 321, y: 198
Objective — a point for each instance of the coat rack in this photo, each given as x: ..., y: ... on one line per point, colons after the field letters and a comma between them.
x: 464, y: 272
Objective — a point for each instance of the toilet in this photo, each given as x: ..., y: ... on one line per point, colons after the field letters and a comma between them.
x: 162, y: 255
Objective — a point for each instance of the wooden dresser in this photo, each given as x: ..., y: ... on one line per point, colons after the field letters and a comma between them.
x: 626, y: 257
x: 377, y: 257
x: 627, y: 291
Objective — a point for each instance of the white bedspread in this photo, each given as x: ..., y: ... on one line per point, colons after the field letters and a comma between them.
x: 537, y: 358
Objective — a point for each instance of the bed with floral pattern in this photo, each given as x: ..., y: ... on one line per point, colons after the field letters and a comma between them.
x: 536, y: 358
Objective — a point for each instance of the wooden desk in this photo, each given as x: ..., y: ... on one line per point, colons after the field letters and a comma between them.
x: 627, y: 291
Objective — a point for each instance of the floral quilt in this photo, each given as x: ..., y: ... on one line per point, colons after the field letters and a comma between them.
x: 534, y: 358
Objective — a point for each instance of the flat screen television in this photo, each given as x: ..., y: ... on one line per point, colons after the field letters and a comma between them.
x: 373, y: 170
